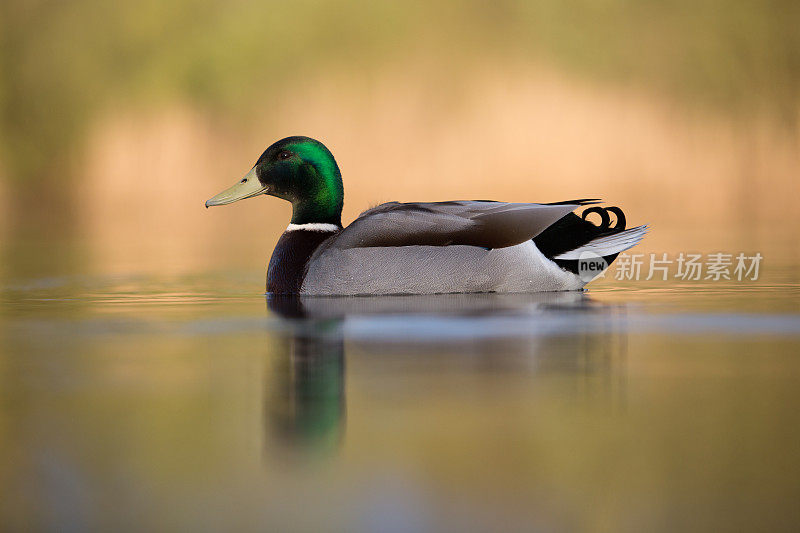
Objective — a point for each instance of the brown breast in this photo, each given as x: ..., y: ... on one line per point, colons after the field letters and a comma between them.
x: 288, y: 264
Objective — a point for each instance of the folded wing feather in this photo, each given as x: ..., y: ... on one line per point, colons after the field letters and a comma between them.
x: 474, y: 223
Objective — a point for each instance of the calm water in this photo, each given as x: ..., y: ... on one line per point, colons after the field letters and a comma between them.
x: 194, y: 404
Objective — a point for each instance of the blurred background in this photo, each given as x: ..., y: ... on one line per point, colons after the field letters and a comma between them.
x: 117, y: 121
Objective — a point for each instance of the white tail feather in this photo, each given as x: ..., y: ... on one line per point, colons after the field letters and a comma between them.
x: 608, y: 245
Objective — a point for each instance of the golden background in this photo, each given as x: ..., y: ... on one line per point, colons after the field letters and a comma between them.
x: 118, y: 122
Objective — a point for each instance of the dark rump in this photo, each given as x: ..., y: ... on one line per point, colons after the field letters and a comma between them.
x: 573, y: 231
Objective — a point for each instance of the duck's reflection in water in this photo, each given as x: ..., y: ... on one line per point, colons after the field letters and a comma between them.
x: 306, y: 405
x: 547, y: 333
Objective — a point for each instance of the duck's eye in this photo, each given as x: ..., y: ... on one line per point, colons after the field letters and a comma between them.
x: 284, y: 154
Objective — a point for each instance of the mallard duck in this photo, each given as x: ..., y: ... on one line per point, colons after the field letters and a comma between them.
x: 422, y: 248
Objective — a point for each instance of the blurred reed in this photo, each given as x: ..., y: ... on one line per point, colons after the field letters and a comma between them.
x: 117, y: 121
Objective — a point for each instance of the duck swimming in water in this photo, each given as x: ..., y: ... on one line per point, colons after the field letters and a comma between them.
x: 422, y: 248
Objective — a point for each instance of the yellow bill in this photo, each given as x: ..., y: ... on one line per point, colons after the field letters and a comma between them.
x: 247, y: 187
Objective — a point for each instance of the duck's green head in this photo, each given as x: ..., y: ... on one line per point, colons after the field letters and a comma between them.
x: 298, y: 169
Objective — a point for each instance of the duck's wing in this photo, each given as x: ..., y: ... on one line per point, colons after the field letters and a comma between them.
x: 475, y: 223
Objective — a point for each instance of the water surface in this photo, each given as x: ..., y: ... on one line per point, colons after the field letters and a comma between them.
x: 195, y: 403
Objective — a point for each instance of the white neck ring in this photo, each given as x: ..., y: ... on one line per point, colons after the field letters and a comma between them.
x: 313, y: 226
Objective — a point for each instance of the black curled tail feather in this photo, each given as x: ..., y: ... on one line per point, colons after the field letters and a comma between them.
x: 573, y: 231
